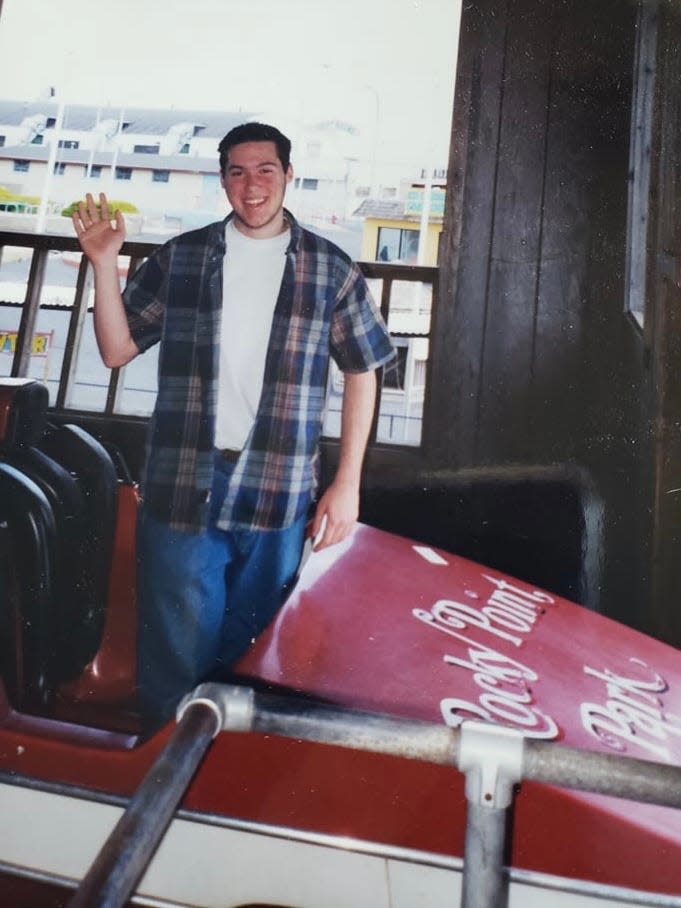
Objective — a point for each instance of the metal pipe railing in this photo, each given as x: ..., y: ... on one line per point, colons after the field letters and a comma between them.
x: 600, y: 773
x: 412, y: 739
x: 493, y: 758
x: 542, y: 761
x: 485, y: 883
x: 127, y: 852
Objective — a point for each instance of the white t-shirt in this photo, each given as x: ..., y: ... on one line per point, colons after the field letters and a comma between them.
x: 252, y: 275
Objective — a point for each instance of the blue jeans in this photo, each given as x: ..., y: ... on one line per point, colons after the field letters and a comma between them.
x: 204, y: 597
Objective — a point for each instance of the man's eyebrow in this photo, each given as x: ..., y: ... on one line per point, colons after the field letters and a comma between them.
x: 259, y: 164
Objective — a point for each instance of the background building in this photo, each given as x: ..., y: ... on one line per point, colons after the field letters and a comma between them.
x: 406, y: 229
x: 165, y: 163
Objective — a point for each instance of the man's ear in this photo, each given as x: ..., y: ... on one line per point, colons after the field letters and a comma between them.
x: 222, y: 181
x: 289, y: 173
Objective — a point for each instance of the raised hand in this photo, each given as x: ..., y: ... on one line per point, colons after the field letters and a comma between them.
x: 100, y: 239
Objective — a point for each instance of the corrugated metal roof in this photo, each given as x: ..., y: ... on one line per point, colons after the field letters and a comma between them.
x: 142, y: 120
x: 392, y: 209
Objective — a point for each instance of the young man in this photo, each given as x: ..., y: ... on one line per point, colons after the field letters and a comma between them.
x: 248, y: 312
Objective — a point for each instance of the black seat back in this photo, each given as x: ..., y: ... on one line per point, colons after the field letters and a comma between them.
x: 78, y: 483
x: 86, y: 459
x: 28, y: 540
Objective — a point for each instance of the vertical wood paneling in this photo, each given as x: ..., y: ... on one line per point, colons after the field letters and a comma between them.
x: 580, y: 299
x: 664, y: 311
x: 588, y: 364
x: 536, y: 360
x: 538, y: 181
x: 507, y: 355
x: 459, y: 330
x: 557, y: 391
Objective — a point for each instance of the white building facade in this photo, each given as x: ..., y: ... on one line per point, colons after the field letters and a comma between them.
x: 165, y: 162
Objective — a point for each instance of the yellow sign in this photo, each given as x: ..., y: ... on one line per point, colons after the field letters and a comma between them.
x: 40, y: 345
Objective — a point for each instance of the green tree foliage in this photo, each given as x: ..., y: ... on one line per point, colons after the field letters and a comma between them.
x: 13, y: 198
x: 114, y: 206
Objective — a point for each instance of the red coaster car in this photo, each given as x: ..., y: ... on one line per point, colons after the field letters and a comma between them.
x: 378, y: 624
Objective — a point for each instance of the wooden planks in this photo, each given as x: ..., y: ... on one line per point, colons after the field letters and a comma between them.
x: 663, y: 311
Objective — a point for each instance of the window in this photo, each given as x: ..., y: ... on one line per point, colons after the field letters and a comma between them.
x: 2, y: 141
x: 184, y: 149
x: 146, y: 149
x: 396, y: 244
x: 60, y: 168
x: 643, y: 115
x: 50, y: 122
x: 21, y: 166
x: 160, y: 176
x: 124, y: 173
x: 439, y: 173
x: 307, y: 183
x: 38, y: 140
x: 95, y: 171
x: 403, y: 388
x: 394, y: 371
x: 69, y: 143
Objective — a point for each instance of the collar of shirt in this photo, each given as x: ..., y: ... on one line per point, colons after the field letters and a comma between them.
x: 296, y: 232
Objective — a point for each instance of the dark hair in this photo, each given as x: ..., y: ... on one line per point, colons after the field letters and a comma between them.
x: 255, y: 132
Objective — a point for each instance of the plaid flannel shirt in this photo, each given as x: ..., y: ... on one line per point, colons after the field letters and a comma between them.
x: 323, y: 309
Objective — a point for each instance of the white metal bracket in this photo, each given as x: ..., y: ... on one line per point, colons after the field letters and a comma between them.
x: 232, y: 705
x: 491, y: 756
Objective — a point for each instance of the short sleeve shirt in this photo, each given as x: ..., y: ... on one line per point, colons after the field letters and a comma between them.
x: 324, y: 309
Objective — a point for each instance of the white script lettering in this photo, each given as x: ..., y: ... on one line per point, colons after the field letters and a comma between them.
x: 633, y: 712
x: 509, y: 608
x: 506, y: 696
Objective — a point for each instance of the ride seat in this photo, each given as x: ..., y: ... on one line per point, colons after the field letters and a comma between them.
x: 86, y: 459
x: 28, y: 543
x: 78, y: 480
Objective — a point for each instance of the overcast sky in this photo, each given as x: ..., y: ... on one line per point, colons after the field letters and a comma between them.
x: 385, y: 64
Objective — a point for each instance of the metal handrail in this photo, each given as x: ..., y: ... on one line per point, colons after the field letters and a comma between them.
x: 127, y: 852
x: 493, y: 758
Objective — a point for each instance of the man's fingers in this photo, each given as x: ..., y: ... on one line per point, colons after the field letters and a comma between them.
x: 91, y: 208
x: 120, y: 221
x: 80, y: 215
x: 331, y: 534
x: 104, y: 207
x: 318, y: 529
x: 91, y: 219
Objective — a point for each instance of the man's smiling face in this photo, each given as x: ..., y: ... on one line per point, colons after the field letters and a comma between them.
x: 255, y: 183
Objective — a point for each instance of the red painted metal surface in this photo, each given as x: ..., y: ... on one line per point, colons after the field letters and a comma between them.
x: 375, y: 623
x: 383, y: 627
